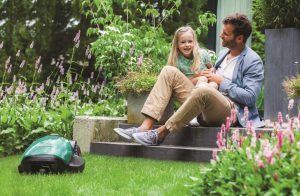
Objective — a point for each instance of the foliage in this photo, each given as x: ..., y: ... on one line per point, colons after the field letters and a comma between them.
x: 30, y: 110
x: 207, y: 19
x: 251, y: 164
x: 118, y: 51
x: 123, y: 38
x: 277, y: 13
x: 47, y: 25
x: 292, y: 86
x: 137, y: 83
x: 258, y: 41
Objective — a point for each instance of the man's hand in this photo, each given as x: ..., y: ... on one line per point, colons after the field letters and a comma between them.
x: 212, y: 77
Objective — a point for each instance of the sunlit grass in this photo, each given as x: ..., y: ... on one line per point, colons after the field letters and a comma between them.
x: 103, y: 175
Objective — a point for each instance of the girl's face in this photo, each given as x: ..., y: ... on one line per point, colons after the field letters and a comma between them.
x: 186, y: 44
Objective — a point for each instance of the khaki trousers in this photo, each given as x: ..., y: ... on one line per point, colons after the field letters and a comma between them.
x: 207, y: 103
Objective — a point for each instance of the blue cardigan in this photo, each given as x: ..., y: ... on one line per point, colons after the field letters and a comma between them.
x: 245, y: 85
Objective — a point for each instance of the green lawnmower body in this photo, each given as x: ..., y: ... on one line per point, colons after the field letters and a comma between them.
x: 45, y: 146
x: 52, y: 154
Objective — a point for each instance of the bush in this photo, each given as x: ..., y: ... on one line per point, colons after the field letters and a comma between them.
x: 271, y: 14
x: 254, y: 164
x: 292, y: 86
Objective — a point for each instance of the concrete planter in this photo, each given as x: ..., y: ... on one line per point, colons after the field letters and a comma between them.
x: 282, y: 60
x: 134, y: 107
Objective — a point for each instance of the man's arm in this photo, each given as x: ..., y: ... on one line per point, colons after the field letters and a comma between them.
x: 251, y: 80
x: 251, y: 76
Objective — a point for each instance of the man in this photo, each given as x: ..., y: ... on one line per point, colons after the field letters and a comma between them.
x: 239, y: 72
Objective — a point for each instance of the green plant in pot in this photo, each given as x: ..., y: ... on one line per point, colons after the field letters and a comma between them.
x: 292, y: 88
x: 137, y: 86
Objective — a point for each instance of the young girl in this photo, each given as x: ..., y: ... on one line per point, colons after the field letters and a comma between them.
x: 190, y: 59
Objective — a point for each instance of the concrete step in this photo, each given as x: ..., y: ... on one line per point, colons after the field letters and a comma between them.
x: 195, y: 136
x: 163, y: 152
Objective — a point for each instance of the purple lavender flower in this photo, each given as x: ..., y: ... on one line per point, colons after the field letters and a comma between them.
x: 18, y: 53
x: 140, y: 60
x: 77, y: 37
x: 22, y: 64
x: 32, y: 44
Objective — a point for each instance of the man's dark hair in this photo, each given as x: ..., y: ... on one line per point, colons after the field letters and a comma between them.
x: 242, y: 25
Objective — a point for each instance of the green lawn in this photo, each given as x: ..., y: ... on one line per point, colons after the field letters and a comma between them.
x: 103, y: 175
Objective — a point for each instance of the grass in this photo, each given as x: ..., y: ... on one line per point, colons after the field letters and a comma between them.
x: 103, y: 175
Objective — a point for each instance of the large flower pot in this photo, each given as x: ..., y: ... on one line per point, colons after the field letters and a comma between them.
x: 134, y: 107
x: 282, y: 48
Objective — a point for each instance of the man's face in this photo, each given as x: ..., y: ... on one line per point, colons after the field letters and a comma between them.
x: 227, y: 36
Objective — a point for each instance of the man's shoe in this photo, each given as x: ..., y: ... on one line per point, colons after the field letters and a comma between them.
x: 127, y: 133
x: 149, y: 138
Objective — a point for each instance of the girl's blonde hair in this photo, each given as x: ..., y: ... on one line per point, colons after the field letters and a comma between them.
x: 174, y: 50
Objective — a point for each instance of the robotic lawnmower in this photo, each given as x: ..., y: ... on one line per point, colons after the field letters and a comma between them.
x: 52, y: 154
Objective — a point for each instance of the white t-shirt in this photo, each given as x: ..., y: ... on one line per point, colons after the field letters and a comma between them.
x: 227, y: 66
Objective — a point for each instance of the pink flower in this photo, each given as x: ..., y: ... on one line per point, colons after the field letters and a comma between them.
x: 241, y: 141
x: 259, y: 162
x: 235, y: 136
x: 233, y: 116
x: 215, y: 154
x: 280, y: 137
x: 228, y: 124
x: 220, y: 140
x: 269, y: 157
x: 291, y: 131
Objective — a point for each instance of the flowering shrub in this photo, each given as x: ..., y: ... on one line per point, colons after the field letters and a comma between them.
x: 254, y: 164
x: 30, y: 109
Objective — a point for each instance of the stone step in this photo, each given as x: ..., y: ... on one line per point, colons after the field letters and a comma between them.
x: 195, y: 136
x: 163, y: 152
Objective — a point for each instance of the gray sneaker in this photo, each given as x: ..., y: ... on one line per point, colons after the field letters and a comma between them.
x: 127, y: 133
x: 149, y: 138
